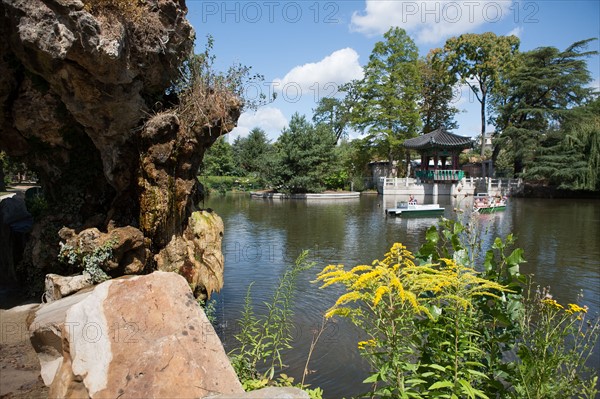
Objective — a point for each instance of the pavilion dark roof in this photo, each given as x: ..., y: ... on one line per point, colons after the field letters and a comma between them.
x: 438, y: 139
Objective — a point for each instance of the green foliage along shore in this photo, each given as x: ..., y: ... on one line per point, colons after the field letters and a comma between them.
x: 441, y: 324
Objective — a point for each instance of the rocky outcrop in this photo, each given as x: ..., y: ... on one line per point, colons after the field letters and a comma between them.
x: 197, y: 253
x: 82, y: 97
x: 140, y: 336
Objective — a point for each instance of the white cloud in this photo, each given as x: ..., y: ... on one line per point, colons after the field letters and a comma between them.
x: 269, y: 119
x: 518, y: 31
x: 321, y: 79
x: 429, y: 21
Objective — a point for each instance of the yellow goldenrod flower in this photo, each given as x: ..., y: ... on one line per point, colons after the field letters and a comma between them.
x: 364, y: 344
x: 361, y: 268
x: 343, y: 312
x: 351, y: 296
x: 379, y: 294
x: 552, y: 303
x: 574, y: 308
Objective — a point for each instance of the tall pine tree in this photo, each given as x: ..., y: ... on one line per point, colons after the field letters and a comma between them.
x: 538, y: 96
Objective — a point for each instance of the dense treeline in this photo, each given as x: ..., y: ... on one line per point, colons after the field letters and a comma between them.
x: 305, y: 158
x: 544, y: 111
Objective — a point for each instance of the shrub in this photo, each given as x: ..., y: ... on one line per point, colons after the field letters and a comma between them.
x: 556, y: 342
x: 421, y: 321
x: 439, y: 328
x: 223, y: 184
x: 90, y: 263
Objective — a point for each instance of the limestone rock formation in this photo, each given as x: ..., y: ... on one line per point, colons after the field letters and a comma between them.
x: 159, y: 344
x: 197, y: 253
x: 83, y: 103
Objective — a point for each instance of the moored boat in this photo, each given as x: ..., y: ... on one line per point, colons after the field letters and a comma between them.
x: 412, y: 209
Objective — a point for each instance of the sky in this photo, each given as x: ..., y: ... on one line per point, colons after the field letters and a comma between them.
x: 306, y: 48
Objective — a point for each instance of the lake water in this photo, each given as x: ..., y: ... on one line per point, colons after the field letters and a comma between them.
x: 561, y: 240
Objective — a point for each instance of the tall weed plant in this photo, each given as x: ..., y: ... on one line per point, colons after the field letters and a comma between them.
x: 447, y: 323
x: 262, y: 340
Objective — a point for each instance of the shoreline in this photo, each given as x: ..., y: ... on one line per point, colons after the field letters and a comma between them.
x: 307, y: 196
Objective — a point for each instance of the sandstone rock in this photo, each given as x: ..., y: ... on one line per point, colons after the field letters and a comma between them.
x: 46, y: 334
x: 128, y: 246
x: 61, y: 286
x: 197, y: 254
x: 139, y: 336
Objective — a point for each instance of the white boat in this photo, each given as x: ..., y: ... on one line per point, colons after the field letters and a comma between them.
x: 413, y: 209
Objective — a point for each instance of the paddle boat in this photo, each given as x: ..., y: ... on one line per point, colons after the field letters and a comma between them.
x: 485, y: 203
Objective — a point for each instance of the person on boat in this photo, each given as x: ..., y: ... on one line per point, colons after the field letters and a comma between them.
x: 412, y: 200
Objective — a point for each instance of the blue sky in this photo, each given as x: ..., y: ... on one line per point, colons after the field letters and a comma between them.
x: 305, y: 49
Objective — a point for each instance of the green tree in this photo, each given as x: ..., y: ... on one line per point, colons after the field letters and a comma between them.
x: 477, y: 61
x: 569, y: 158
x: 544, y: 90
x: 251, y: 153
x: 437, y: 95
x: 304, y: 157
x: 218, y: 159
x: 385, y: 100
x: 333, y: 113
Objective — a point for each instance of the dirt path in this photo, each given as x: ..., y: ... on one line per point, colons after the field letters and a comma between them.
x: 19, y: 365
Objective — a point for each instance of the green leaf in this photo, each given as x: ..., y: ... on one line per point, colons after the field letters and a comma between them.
x: 478, y: 374
x: 432, y: 234
x: 415, y: 381
x: 467, y: 388
x: 488, y: 262
x: 372, y: 378
x: 441, y: 384
x: 498, y: 244
x: 435, y: 311
x: 516, y: 257
x: 437, y: 367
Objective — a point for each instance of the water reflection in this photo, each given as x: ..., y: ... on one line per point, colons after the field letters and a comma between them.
x: 262, y: 237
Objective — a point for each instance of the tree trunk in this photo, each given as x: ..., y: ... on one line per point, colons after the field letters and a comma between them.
x: 518, y: 166
x: 483, y: 171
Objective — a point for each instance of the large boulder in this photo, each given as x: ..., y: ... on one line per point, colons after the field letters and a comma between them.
x: 138, y: 336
